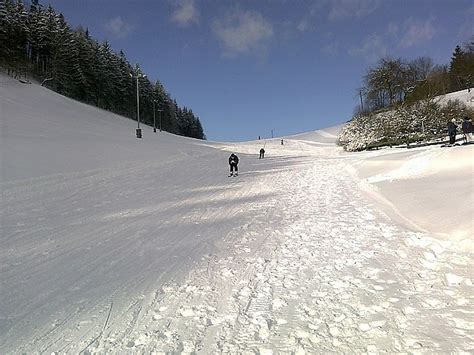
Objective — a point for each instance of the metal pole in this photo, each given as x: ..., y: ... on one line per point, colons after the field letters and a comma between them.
x: 272, y: 133
x: 154, y: 118
x: 160, y: 117
x: 138, y: 105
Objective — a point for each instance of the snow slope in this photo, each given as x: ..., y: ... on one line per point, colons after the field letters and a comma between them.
x: 114, y: 244
x: 465, y: 96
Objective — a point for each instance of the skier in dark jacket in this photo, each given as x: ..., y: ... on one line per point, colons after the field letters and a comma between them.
x: 262, y: 153
x: 467, y: 129
x: 452, y: 131
x: 233, y: 162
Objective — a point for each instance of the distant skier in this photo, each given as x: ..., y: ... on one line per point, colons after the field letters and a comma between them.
x: 262, y: 153
x: 233, y: 163
x: 452, y: 131
x: 282, y: 142
x: 467, y: 129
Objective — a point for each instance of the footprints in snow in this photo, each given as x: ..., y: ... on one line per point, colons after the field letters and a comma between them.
x: 329, y: 279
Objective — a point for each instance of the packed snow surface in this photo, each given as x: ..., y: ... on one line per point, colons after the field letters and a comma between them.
x: 115, y: 244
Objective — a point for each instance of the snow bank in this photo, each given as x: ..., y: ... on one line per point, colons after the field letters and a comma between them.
x: 431, y: 189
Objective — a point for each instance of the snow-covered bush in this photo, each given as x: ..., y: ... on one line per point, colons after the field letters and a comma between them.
x: 421, y: 121
x: 454, y: 109
x: 359, y: 133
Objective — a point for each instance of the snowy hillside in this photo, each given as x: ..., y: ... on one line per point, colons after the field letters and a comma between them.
x: 465, y: 96
x: 111, y: 243
x: 421, y: 122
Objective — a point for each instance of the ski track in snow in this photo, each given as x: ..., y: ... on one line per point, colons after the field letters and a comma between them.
x: 312, y: 270
x: 320, y: 280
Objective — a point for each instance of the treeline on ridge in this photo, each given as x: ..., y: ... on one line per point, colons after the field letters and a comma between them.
x: 397, y: 100
x: 39, y: 42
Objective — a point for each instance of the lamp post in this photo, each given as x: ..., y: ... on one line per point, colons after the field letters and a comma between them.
x: 154, y: 117
x: 138, y: 75
x: 165, y: 103
x: 159, y: 112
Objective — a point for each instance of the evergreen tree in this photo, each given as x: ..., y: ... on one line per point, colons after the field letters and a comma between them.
x: 64, y: 53
x: 14, y: 37
x: 40, y: 41
x: 85, y: 66
x: 124, y: 87
x: 5, y: 23
x: 461, y: 68
x: 199, y: 130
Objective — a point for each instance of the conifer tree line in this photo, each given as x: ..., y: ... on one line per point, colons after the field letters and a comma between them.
x: 38, y: 41
x: 400, y: 101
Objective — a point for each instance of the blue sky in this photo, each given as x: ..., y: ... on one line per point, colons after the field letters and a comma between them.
x: 247, y: 67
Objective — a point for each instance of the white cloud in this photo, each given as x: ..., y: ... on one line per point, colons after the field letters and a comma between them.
x: 404, y: 35
x: 243, y: 32
x: 186, y: 13
x: 392, y: 28
x: 330, y: 48
x: 303, y: 26
x: 373, y: 48
x: 117, y: 27
x: 335, y: 10
x: 417, y: 32
x: 312, y: 13
x: 340, y: 9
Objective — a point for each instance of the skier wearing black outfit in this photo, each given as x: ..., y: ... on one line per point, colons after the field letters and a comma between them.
x: 452, y: 131
x: 262, y: 153
x: 467, y: 130
x: 233, y: 162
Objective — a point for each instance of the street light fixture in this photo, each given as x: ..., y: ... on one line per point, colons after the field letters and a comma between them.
x: 138, y: 74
